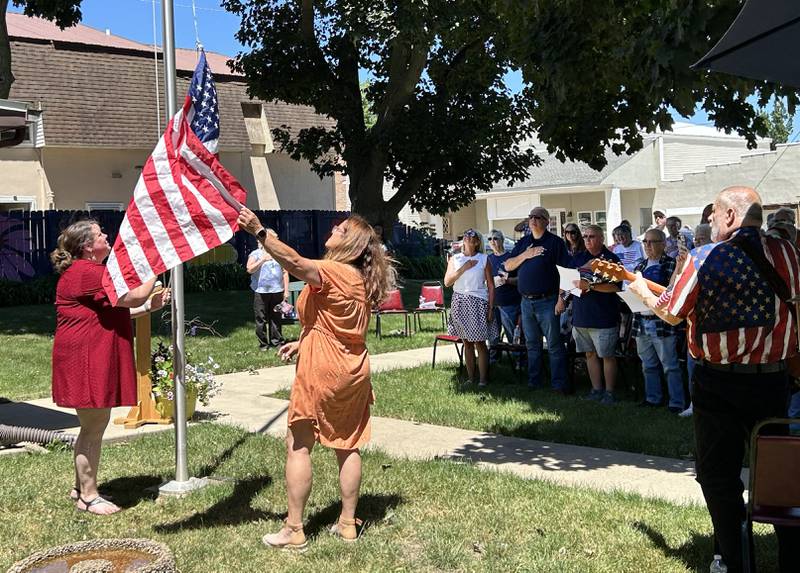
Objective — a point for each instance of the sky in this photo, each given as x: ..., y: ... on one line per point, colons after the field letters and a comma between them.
x: 216, y: 29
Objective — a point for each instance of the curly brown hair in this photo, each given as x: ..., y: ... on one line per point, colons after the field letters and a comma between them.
x: 70, y: 244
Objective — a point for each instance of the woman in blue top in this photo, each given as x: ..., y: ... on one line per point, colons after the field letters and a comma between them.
x: 270, y: 285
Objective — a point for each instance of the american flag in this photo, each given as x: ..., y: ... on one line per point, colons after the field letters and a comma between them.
x: 739, y: 317
x: 185, y: 202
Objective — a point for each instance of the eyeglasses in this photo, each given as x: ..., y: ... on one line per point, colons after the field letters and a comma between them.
x: 651, y: 242
x: 590, y: 237
x: 496, y: 238
x: 572, y: 232
x: 540, y: 217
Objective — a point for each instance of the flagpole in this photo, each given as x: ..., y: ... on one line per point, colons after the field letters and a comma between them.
x: 182, y: 483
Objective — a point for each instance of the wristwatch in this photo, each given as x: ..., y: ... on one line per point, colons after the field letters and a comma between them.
x: 262, y: 234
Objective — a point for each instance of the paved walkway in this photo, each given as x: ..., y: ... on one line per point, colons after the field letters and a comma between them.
x: 245, y: 402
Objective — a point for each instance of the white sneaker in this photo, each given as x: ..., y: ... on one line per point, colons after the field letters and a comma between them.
x: 687, y: 412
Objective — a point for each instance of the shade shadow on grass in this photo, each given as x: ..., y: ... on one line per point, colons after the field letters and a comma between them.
x: 128, y: 491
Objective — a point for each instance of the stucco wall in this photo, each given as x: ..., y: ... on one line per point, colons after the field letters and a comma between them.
x: 22, y: 176
x: 80, y: 176
x: 297, y: 187
x: 781, y: 184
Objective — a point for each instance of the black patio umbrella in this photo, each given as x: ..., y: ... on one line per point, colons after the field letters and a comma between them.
x: 761, y: 43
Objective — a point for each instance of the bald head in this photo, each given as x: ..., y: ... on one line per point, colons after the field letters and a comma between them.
x: 734, y: 207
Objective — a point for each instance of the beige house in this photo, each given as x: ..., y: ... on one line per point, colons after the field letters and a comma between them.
x: 95, y: 108
x: 677, y: 172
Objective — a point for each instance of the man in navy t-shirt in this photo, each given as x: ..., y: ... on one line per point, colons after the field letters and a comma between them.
x: 506, y: 295
x: 535, y: 257
x: 595, y: 317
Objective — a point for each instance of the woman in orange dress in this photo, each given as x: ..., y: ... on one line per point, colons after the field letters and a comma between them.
x: 332, y: 392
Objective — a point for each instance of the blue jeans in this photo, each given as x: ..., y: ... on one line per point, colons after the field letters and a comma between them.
x: 507, y: 315
x: 539, y: 319
x: 657, y: 354
x: 691, y: 364
x: 794, y: 411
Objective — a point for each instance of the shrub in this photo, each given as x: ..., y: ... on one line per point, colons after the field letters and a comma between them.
x: 215, y: 277
x: 41, y: 290
x: 421, y: 268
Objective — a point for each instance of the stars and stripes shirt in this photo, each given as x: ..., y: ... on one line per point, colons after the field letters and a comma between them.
x: 732, y: 314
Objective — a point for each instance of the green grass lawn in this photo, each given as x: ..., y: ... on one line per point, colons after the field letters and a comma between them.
x: 26, y: 337
x: 509, y: 408
x: 420, y: 516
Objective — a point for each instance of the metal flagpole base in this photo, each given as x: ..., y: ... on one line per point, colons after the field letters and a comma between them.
x: 179, y: 488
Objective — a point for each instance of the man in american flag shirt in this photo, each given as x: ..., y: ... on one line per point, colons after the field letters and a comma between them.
x: 741, y: 332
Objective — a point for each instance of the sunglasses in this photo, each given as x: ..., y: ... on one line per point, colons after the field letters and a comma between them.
x: 651, y: 242
x: 590, y: 237
x: 572, y: 232
x: 540, y: 217
x: 496, y: 239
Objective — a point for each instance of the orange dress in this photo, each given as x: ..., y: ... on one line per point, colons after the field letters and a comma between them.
x: 332, y: 383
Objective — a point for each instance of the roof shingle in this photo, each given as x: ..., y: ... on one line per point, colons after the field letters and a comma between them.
x: 104, y: 95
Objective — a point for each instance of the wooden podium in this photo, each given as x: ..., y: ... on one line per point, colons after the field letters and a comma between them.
x: 145, y: 411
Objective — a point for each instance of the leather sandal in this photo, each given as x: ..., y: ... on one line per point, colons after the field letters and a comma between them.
x: 296, y: 542
x: 88, y: 505
x: 346, y: 529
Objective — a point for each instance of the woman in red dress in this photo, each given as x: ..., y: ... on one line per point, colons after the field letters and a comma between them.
x: 93, y: 363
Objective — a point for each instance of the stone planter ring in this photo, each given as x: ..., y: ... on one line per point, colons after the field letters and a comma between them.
x: 101, y: 556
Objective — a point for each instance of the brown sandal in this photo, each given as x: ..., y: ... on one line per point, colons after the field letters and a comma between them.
x: 296, y: 542
x: 346, y: 529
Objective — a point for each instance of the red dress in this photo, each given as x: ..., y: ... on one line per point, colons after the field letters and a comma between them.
x: 93, y: 363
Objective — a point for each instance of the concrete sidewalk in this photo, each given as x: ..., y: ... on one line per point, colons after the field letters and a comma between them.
x: 245, y: 402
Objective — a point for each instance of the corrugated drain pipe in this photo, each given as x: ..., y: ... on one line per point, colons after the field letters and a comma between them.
x: 10, y: 435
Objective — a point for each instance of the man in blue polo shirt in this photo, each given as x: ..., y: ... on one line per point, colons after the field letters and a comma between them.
x: 535, y: 257
x: 595, y: 317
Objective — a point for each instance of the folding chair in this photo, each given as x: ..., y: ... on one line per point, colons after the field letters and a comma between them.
x: 459, y: 344
x: 774, y: 494
x: 392, y: 305
x: 432, y: 291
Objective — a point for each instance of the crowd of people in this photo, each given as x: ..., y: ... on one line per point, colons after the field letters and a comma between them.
x: 740, y: 334
x: 517, y: 300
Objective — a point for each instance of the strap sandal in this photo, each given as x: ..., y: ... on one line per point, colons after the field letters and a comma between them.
x: 295, y: 541
x: 348, y: 530
x: 96, y: 502
x: 75, y: 493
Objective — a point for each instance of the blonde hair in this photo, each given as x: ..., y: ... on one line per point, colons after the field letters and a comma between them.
x: 71, y: 242
x: 362, y: 248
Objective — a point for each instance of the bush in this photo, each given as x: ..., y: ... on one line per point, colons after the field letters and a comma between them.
x: 421, y: 268
x: 41, y: 290
x: 215, y: 277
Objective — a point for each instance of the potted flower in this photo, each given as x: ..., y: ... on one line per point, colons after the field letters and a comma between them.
x: 199, y: 379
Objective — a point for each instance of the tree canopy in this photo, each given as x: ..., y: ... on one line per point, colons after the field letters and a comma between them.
x: 779, y: 122
x: 595, y: 74
x: 64, y: 13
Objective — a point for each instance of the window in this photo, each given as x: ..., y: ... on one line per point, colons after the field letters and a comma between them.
x: 600, y: 219
x: 584, y: 218
x: 445, y: 226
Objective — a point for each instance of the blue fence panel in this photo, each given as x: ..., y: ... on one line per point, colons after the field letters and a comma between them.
x: 27, y: 238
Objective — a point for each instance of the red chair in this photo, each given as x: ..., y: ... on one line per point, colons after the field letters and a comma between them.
x: 459, y: 344
x: 392, y: 305
x: 431, y: 292
x: 774, y: 493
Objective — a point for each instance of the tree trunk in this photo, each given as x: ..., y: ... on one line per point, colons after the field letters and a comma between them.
x: 366, y: 190
x: 6, y: 77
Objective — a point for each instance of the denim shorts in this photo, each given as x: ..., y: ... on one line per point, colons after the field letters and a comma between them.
x: 602, y: 341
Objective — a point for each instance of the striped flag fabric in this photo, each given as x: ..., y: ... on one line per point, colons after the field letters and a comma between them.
x: 185, y: 202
